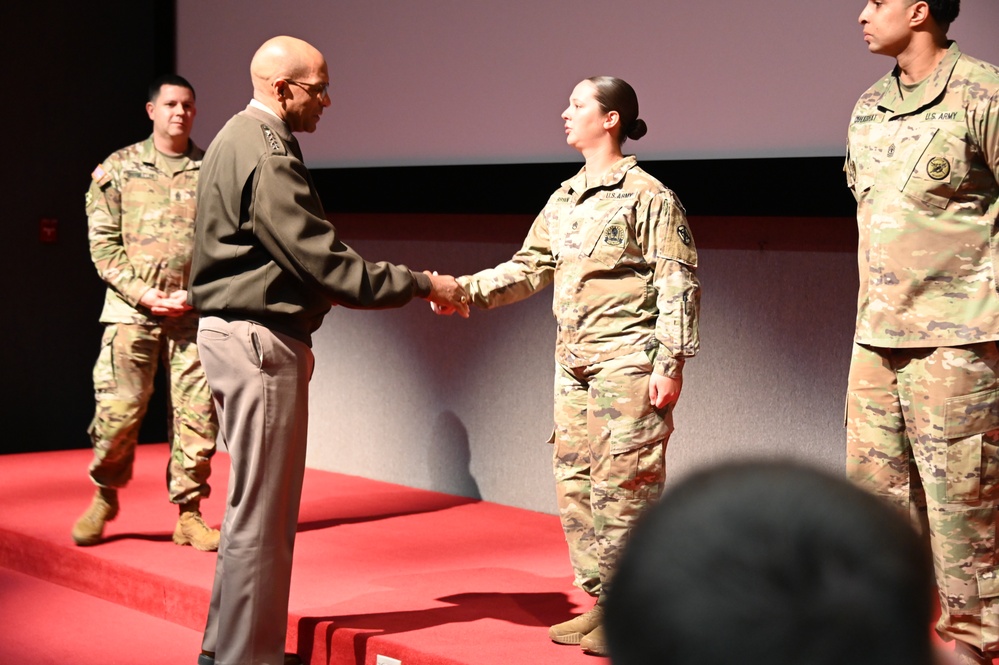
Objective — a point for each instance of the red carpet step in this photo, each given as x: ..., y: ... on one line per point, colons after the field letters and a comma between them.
x: 48, y: 624
x: 380, y: 570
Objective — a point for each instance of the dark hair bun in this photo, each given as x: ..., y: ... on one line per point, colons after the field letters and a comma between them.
x: 637, y: 130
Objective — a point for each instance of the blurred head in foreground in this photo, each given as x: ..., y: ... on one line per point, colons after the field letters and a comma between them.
x: 771, y: 563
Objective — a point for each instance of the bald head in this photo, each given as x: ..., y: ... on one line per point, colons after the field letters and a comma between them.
x: 290, y: 76
x: 283, y: 58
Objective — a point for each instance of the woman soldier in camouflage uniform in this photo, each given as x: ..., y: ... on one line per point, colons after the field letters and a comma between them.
x: 617, y: 245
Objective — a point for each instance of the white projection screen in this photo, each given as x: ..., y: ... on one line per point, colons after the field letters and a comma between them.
x: 447, y: 82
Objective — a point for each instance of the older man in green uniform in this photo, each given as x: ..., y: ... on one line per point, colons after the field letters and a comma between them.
x: 922, y: 408
x: 141, y: 206
x: 268, y: 266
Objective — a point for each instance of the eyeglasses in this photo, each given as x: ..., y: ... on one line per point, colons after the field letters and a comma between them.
x: 321, y: 89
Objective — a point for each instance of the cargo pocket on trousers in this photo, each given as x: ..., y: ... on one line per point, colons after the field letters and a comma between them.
x: 988, y: 583
x: 104, y: 376
x: 652, y: 428
x: 988, y: 592
x: 966, y: 419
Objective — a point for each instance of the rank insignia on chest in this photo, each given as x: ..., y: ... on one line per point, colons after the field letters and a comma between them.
x: 938, y: 168
x: 614, y: 235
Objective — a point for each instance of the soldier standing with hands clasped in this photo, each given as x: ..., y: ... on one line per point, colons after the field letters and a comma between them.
x: 141, y: 207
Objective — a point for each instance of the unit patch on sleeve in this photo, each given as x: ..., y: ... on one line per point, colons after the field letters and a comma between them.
x: 684, y: 234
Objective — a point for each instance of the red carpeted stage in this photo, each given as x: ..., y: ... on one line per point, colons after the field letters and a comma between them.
x: 383, y: 573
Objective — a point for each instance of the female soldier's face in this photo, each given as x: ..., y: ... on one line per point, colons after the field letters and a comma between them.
x: 585, y: 121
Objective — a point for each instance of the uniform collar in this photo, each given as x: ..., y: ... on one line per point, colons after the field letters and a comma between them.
x: 259, y: 111
x: 615, y: 175
x: 892, y: 101
x: 150, y: 155
x: 257, y: 104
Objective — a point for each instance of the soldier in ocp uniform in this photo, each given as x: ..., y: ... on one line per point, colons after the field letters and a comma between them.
x: 140, y: 207
x: 618, y: 248
x: 923, y: 397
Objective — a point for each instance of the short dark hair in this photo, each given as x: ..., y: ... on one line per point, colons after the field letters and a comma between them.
x: 943, y: 11
x: 771, y: 563
x: 614, y: 94
x: 167, y: 79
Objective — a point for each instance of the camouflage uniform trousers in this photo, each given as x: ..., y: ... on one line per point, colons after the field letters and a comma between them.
x: 923, y: 432
x: 123, y: 384
x: 608, y: 460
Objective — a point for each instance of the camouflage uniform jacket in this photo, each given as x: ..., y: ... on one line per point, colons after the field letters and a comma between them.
x: 925, y: 173
x: 141, y: 227
x: 622, y: 257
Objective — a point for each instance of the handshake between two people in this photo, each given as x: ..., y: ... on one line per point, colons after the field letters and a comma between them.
x: 446, y: 295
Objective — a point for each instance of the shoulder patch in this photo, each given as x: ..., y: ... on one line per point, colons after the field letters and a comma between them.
x: 684, y: 234
x: 675, y: 237
x: 273, y: 143
x: 100, y: 176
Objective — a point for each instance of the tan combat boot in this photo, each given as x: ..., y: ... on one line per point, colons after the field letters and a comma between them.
x: 574, y: 630
x: 89, y: 529
x: 595, y: 642
x: 192, y: 530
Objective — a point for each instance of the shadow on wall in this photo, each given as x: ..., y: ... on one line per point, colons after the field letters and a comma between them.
x: 449, y: 457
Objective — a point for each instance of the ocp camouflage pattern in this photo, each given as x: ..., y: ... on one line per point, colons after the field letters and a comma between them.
x: 924, y: 169
x: 622, y: 257
x: 942, y: 418
x: 141, y: 227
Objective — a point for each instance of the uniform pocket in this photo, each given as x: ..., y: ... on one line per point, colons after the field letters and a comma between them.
x: 635, y: 422
x: 632, y: 434
x: 104, y: 376
x: 609, y: 239
x: 988, y: 592
x: 976, y: 413
x: 212, y: 334
x: 988, y: 583
x: 936, y: 169
x: 967, y: 419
